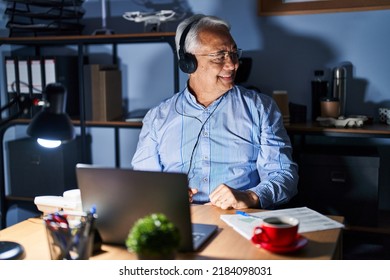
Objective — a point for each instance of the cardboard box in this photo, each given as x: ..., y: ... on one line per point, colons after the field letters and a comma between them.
x: 103, y: 92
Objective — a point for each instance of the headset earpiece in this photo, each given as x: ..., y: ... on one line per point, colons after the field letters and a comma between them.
x: 187, y: 61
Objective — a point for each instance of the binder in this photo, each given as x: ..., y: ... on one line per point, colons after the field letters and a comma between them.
x: 17, y: 78
x: 23, y: 75
x: 10, y: 72
x: 36, y: 75
x: 50, y: 70
x: 12, y: 83
x: 24, y: 82
x: 29, y: 75
x: 103, y: 92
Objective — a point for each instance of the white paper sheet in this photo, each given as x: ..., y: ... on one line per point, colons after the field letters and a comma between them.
x: 309, y: 220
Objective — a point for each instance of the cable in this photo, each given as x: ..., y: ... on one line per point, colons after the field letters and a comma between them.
x: 185, y: 115
x: 200, y: 131
x: 13, y: 87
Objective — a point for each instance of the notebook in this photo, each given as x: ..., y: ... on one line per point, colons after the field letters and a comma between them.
x: 122, y: 196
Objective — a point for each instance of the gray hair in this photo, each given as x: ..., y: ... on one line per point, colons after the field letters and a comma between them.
x: 191, y: 42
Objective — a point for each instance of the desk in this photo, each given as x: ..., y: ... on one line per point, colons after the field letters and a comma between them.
x: 311, y: 138
x: 226, y: 244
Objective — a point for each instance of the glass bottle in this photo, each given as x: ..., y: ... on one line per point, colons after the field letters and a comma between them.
x: 319, y: 89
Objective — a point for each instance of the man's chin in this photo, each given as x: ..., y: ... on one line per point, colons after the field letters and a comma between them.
x: 227, y: 87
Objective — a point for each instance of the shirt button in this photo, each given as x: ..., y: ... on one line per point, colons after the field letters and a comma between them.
x: 205, y: 180
x: 205, y: 133
x: 205, y: 157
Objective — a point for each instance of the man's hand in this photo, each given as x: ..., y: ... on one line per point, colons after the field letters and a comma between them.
x: 227, y: 198
x: 191, y: 193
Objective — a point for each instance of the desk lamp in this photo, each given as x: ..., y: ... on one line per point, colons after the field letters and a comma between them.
x: 52, y: 126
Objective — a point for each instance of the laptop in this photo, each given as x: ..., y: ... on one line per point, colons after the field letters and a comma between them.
x: 122, y: 196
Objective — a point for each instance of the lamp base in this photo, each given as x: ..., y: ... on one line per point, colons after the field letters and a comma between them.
x: 11, y: 251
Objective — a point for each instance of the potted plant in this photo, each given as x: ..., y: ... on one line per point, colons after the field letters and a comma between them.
x: 153, y: 237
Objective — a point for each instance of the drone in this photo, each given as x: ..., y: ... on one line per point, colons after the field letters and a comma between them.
x: 155, y: 17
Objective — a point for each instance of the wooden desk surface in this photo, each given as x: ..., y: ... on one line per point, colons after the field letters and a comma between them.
x: 226, y: 244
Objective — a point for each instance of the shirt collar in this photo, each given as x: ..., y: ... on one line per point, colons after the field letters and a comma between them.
x: 192, y: 100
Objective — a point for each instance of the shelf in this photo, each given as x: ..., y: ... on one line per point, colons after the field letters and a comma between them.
x: 53, y: 26
x: 310, y: 128
x: 151, y: 37
x: 113, y: 124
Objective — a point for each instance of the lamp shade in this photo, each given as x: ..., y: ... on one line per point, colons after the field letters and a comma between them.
x: 52, y: 123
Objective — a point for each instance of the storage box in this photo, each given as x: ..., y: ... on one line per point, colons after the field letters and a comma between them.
x: 103, y: 92
x: 343, y: 184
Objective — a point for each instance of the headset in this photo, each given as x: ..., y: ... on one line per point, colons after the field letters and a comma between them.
x: 187, y: 61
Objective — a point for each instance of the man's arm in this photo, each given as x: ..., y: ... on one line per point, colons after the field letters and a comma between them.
x: 146, y: 156
x: 278, y: 173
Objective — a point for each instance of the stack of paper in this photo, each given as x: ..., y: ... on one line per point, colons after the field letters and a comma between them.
x: 309, y: 220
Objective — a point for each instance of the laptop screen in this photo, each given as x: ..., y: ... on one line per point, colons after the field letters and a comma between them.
x: 122, y: 196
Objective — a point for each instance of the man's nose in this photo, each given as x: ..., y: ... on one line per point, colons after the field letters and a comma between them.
x: 230, y: 62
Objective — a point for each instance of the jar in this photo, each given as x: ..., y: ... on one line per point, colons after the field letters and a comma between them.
x: 330, y: 107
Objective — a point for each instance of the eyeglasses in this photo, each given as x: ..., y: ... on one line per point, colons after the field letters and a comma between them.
x: 221, y: 56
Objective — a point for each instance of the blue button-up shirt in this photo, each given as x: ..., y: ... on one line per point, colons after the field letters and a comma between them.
x: 238, y: 140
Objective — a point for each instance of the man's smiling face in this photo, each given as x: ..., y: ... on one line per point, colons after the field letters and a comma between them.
x: 216, y: 69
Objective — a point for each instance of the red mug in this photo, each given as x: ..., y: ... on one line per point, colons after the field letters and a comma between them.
x: 277, y: 231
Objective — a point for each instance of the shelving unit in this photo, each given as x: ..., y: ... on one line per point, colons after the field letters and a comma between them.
x: 81, y: 42
x: 85, y: 40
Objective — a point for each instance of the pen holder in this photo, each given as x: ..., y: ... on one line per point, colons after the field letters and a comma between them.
x: 70, y: 236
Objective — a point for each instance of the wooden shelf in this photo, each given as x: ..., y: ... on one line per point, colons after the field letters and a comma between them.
x: 91, y: 39
x: 310, y: 128
x: 113, y: 124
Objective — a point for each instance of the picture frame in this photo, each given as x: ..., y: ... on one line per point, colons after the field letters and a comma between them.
x: 290, y: 7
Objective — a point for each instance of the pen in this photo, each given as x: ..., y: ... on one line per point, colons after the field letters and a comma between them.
x: 247, y: 215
